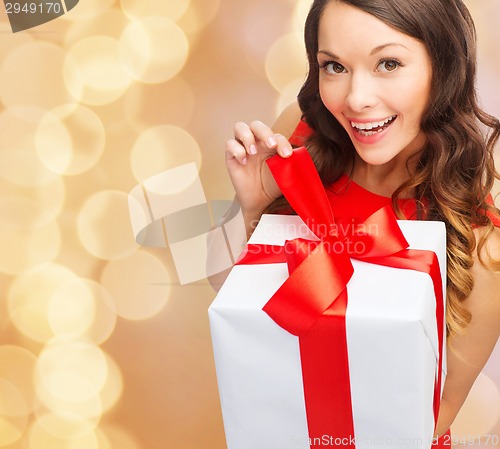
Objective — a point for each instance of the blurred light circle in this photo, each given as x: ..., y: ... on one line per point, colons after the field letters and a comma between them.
x: 31, y: 207
x: 71, y: 369
x: 153, y: 50
x: 29, y: 297
x: 114, y: 166
x: 23, y: 168
x: 161, y: 148
x: 70, y: 141
x: 67, y: 425
x: 76, y: 417
x: 110, y: 23
x: 17, y: 367
x: 148, y: 105
x: 19, y: 163
x: 288, y: 96
x: 15, y: 39
x: 199, y: 14
x: 31, y: 74
x: 93, y: 73
x: 481, y: 410
x: 53, y: 144
x: 119, y: 437
x: 104, y: 320
x: 88, y: 10
x: 39, y: 438
x: 301, y: 11
x: 72, y: 308
x: 172, y: 9
x: 167, y: 185
x: 147, y: 289
x: 102, y: 439
x: 286, y: 62
x: 87, y: 411
x: 113, y: 388
x: 11, y: 428
x: 104, y: 225
x: 23, y: 249
x: 256, y: 43
x: 12, y: 404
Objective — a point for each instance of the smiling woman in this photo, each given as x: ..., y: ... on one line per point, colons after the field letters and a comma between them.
x: 390, y: 116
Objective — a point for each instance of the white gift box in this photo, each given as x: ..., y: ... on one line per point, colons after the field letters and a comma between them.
x: 392, y: 345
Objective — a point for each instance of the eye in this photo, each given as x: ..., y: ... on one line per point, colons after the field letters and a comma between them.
x: 388, y: 65
x: 333, y: 68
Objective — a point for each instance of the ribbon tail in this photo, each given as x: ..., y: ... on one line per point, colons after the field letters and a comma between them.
x: 299, y: 181
x: 325, y: 371
x: 384, y: 223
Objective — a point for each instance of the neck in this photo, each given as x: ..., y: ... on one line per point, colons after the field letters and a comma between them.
x: 382, y: 179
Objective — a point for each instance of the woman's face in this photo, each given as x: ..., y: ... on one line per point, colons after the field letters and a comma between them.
x: 375, y: 80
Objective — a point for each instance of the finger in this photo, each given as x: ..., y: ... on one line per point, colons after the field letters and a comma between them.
x: 244, y: 135
x: 235, y: 150
x: 283, y: 146
x: 263, y: 133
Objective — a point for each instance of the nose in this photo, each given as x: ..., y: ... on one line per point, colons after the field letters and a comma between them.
x: 361, y: 93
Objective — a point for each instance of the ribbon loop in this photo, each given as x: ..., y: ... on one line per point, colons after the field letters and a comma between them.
x: 309, y: 291
x: 298, y: 250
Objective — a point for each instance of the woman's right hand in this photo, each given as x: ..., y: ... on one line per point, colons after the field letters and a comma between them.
x: 245, y: 159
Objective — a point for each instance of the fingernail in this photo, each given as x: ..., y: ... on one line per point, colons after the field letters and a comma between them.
x: 253, y: 149
x: 271, y: 141
x: 287, y: 152
x: 244, y: 161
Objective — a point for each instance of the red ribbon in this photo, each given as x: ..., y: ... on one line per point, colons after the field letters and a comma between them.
x: 312, y: 302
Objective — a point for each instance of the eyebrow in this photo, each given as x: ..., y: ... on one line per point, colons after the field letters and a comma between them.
x: 381, y: 47
x: 374, y: 51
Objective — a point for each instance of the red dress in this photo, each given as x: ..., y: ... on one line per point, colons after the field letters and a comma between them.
x: 350, y: 200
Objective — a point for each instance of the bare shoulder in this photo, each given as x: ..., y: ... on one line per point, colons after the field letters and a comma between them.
x: 288, y: 120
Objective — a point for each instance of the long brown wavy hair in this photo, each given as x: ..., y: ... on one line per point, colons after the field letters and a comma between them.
x: 455, y: 172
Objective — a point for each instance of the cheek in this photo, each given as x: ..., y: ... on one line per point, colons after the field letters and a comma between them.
x: 416, y: 105
x: 418, y: 98
x: 331, y: 96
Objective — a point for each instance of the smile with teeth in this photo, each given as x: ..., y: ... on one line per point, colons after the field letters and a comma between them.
x: 371, y: 128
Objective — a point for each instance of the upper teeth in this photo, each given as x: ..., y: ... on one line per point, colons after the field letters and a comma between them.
x: 372, y: 125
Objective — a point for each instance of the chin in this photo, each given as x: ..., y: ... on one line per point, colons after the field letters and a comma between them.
x: 374, y: 159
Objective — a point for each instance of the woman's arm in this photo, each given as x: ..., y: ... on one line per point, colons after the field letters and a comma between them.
x: 470, y: 351
x: 284, y: 126
x: 245, y: 158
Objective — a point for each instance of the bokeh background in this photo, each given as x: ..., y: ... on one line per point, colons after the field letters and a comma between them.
x: 100, y: 347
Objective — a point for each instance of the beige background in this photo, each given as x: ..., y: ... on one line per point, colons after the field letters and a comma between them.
x: 100, y: 347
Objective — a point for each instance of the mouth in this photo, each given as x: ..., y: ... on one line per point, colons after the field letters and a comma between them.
x: 372, y: 128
